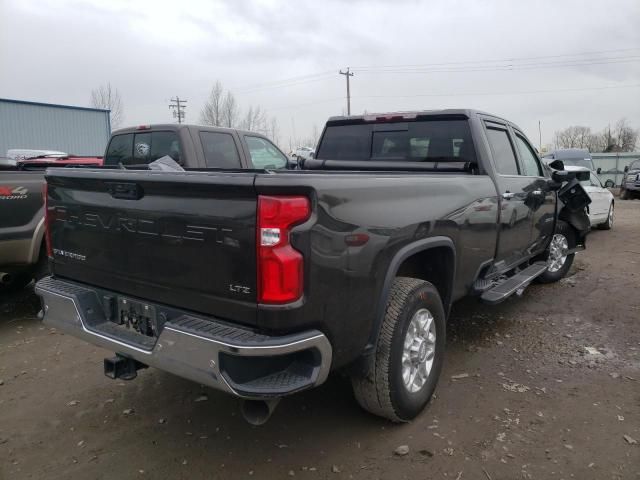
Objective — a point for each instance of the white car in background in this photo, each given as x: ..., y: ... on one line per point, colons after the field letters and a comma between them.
x: 304, y: 153
x: 601, y: 208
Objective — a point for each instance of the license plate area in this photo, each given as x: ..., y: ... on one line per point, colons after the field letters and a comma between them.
x: 137, y: 316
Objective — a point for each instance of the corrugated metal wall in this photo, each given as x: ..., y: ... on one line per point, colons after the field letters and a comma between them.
x: 78, y: 131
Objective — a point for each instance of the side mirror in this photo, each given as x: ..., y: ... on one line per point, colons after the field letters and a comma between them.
x: 626, y: 168
x: 562, y: 176
x: 599, y: 171
x: 292, y: 163
x: 557, y: 165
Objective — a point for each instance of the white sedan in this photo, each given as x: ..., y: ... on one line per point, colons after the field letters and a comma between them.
x: 601, y: 207
x: 304, y: 153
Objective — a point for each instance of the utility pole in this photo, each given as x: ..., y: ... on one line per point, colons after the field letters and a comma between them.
x: 178, y: 107
x: 540, y: 136
x: 347, y: 74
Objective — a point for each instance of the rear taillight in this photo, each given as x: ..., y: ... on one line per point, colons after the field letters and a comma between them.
x: 47, y: 220
x: 280, y: 266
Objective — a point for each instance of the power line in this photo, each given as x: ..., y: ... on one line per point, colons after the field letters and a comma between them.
x: 471, y: 65
x: 512, y: 59
x: 480, y: 94
x: 286, y: 82
x: 347, y: 74
x: 454, y: 94
x: 511, y: 67
x: 178, y: 107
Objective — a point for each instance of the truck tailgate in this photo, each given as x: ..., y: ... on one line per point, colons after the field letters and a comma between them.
x: 183, y: 239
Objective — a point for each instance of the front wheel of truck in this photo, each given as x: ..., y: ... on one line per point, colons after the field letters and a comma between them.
x: 558, y: 262
x: 403, y: 371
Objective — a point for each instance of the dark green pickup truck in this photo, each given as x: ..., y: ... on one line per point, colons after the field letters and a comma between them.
x: 260, y: 282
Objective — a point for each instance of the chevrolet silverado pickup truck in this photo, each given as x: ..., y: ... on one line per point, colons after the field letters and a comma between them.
x: 191, y: 146
x: 260, y: 283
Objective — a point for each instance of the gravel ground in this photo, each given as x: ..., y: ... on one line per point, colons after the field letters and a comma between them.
x: 544, y: 386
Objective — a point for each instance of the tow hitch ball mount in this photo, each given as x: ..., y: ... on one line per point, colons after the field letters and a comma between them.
x: 122, y: 367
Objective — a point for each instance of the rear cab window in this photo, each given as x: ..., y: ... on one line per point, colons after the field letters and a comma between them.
x: 417, y: 141
x: 142, y: 148
x: 220, y: 150
x: 264, y: 154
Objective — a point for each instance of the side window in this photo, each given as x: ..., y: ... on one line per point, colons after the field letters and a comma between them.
x: 219, y: 150
x: 595, y: 181
x: 264, y: 154
x: 165, y: 143
x: 530, y: 163
x: 141, y: 148
x: 119, y: 150
x: 502, y: 149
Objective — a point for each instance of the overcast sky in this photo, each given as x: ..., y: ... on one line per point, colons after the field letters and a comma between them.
x: 559, y: 62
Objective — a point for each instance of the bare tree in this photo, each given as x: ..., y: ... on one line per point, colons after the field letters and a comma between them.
x: 108, y: 98
x: 625, y: 136
x: 211, y: 113
x: 622, y: 138
x: 573, y: 137
x: 597, y: 142
x: 229, y: 111
x: 254, y: 120
x: 274, y: 131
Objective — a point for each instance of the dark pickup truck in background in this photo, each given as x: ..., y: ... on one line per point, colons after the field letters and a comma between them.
x: 630, y: 186
x: 191, y: 146
x: 260, y: 282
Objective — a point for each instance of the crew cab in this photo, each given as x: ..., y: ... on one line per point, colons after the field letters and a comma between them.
x: 194, y: 146
x: 260, y: 282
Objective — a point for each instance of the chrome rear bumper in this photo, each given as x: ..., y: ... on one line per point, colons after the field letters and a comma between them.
x: 236, y: 360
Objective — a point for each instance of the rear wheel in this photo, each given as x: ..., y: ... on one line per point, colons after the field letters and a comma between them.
x: 608, y: 225
x: 404, y: 369
x: 558, y: 262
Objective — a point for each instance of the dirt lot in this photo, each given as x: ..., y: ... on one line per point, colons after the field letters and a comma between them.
x: 549, y: 387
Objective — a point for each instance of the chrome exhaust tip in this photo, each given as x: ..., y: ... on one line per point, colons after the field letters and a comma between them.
x: 257, y: 412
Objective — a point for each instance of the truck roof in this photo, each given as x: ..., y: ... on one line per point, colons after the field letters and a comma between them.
x: 463, y: 112
x: 179, y: 126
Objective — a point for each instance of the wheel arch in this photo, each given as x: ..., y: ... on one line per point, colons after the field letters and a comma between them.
x: 36, y: 242
x: 411, y: 260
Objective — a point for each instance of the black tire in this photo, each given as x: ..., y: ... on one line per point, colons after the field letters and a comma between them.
x: 624, y: 194
x: 16, y: 282
x: 608, y: 224
x: 382, y: 390
x: 565, y: 230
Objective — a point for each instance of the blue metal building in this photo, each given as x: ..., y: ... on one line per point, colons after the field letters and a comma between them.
x: 45, y: 126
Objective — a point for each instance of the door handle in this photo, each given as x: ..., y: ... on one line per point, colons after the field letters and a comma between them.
x: 508, y: 195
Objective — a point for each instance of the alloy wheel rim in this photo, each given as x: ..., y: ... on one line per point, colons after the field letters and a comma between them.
x: 610, y: 219
x: 419, y: 350
x: 557, y: 252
